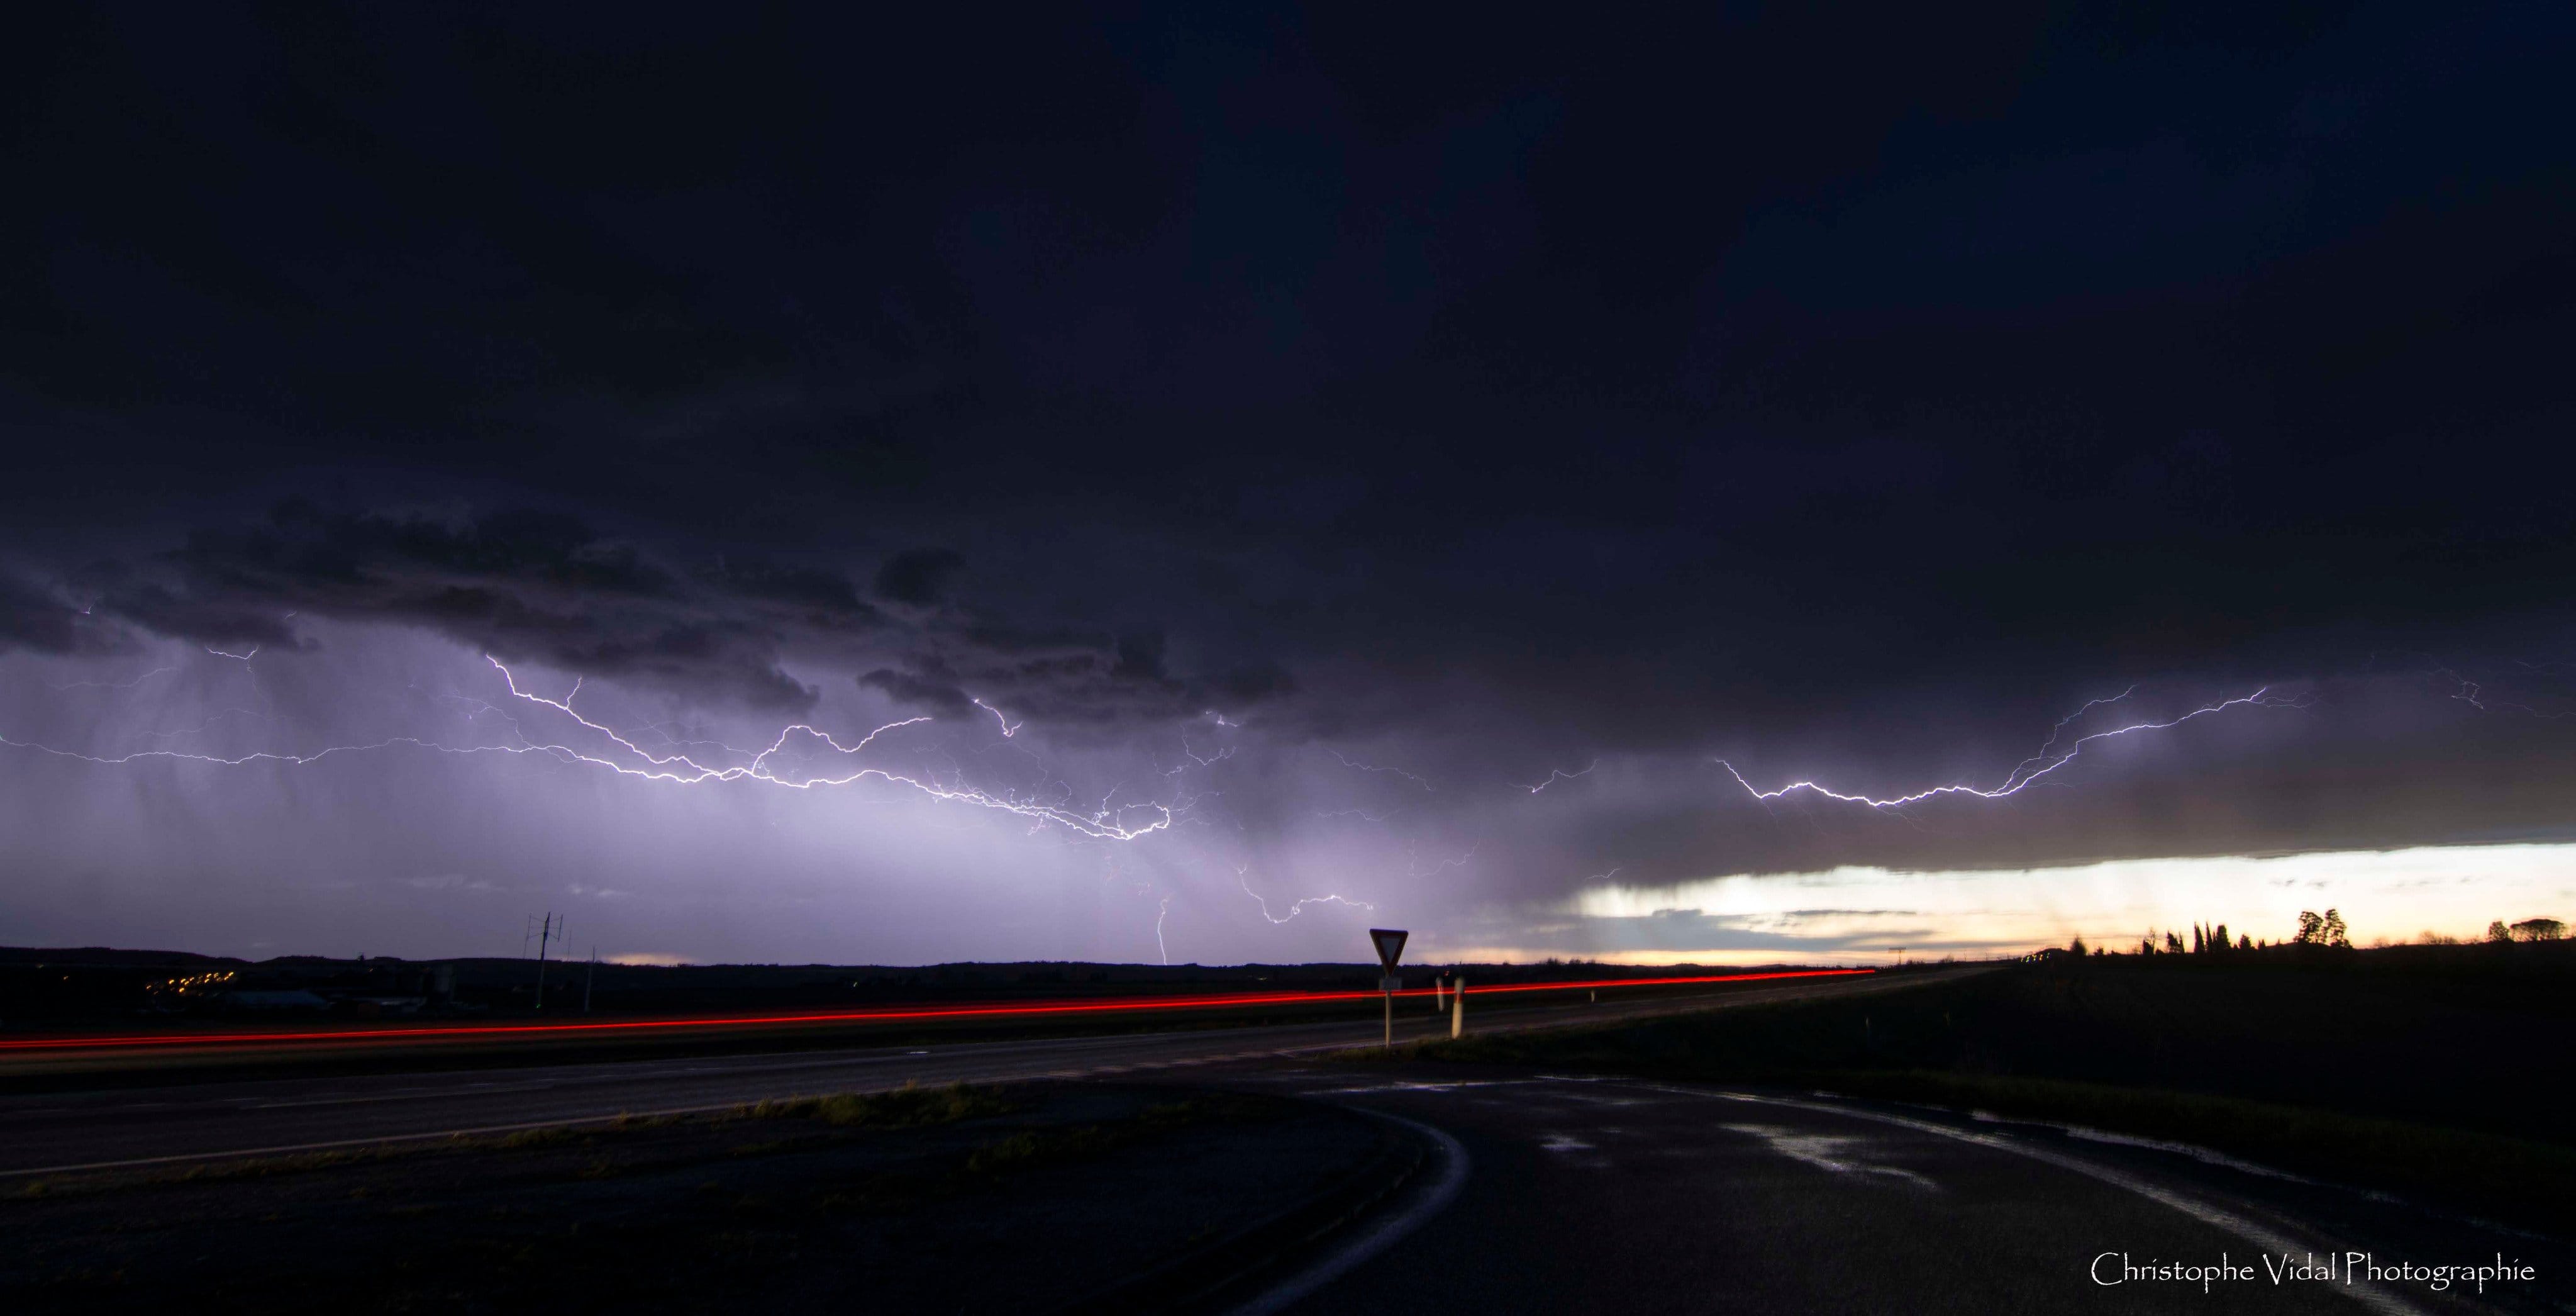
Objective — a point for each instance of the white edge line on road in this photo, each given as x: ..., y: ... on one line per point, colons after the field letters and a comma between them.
x: 1379, y: 1236
x: 2201, y: 1211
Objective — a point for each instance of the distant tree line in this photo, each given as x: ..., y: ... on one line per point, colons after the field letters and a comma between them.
x: 2326, y: 930
x: 2530, y: 929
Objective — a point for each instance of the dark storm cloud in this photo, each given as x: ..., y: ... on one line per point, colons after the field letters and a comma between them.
x: 824, y: 598
x: 1820, y: 388
x: 1073, y: 682
x: 918, y: 575
x: 920, y: 691
x: 33, y: 617
x: 546, y: 586
x: 518, y: 584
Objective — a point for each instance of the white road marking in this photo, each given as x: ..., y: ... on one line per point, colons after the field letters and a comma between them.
x: 2260, y: 1236
x: 1825, y: 1152
x: 1380, y: 1235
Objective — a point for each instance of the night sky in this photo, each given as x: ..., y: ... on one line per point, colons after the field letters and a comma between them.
x: 1266, y: 447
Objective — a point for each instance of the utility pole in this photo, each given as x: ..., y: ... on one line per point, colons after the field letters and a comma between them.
x: 588, y: 979
x: 543, y: 936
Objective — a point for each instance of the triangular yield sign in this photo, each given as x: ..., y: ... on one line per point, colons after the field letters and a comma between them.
x: 1390, y: 944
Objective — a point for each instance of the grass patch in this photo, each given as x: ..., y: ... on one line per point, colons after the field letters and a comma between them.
x: 907, y: 1107
x: 1039, y: 1147
x: 903, y: 1108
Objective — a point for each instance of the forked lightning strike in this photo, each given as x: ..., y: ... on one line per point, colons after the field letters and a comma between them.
x: 1009, y: 727
x: 1243, y: 877
x: 2049, y: 759
x: 1106, y: 823
x: 1357, y: 766
x: 1555, y: 775
x: 112, y: 685
x: 2473, y: 693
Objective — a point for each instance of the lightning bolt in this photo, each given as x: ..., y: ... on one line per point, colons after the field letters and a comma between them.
x: 236, y: 657
x: 1207, y: 761
x: 2473, y: 693
x: 1413, y: 866
x: 1009, y: 728
x: 1109, y: 822
x: 1555, y: 775
x: 112, y: 685
x: 2049, y: 759
x: 1362, y: 814
x: 1159, y: 914
x: 1357, y: 766
x: 1243, y: 878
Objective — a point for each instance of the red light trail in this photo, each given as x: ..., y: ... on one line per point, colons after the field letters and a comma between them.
x: 1124, y: 1005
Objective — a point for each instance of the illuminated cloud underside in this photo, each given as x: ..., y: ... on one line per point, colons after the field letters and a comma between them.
x: 1857, y: 914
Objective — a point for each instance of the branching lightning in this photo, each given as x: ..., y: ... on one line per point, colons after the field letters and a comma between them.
x: 1361, y: 814
x: 1243, y: 877
x: 623, y: 756
x: 1009, y: 727
x: 1556, y: 775
x: 1205, y: 760
x: 112, y: 685
x: 1414, y: 868
x: 2048, y: 760
x: 1358, y: 766
x: 2473, y: 693
x: 1107, y: 823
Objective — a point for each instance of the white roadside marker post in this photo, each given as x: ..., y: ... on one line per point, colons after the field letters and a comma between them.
x: 1458, y: 1009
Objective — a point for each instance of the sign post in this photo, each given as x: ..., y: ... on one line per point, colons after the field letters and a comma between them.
x: 1390, y: 945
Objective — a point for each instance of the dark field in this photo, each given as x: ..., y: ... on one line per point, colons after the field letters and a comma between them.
x: 2441, y: 1072
x: 1033, y: 1198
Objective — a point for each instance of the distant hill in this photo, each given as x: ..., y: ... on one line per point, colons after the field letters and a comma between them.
x: 105, y: 956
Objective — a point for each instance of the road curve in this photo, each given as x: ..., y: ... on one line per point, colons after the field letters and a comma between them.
x: 1622, y: 1197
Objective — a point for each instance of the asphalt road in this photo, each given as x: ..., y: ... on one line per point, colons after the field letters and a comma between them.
x: 1575, y: 1195
x: 57, y: 1131
x: 1550, y: 1193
